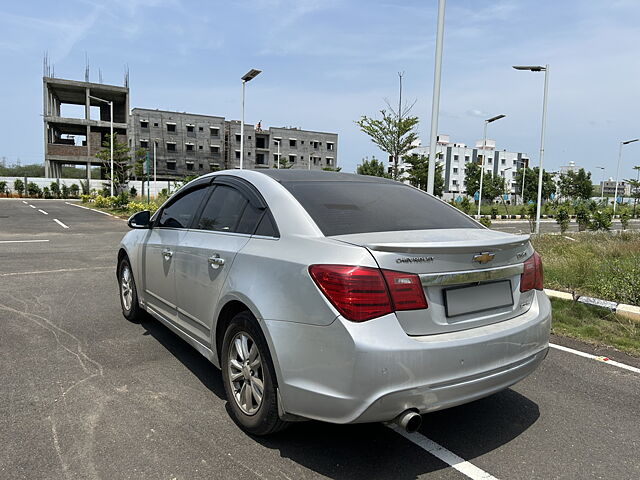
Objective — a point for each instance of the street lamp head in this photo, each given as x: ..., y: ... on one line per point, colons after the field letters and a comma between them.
x: 251, y: 74
x: 531, y: 68
x: 630, y: 141
x: 493, y: 119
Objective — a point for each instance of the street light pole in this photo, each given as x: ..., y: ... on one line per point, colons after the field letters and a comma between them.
x: 435, y: 104
x: 615, y: 195
x: 602, y: 185
x: 484, y: 156
x: 545, y: 69
x: 155, y: 164
x: 110, y: 102
x: 250, y: 75
x: 524, y: 174
x: 278, y: 162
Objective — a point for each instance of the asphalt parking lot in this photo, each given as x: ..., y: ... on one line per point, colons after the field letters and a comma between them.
x: 86, y: 394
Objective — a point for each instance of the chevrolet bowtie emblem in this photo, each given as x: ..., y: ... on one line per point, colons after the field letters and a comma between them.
x: 484, y: 257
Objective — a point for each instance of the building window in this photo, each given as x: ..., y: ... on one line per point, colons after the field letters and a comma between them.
x: 293, y: 142
x: 215, y: 149
x: 490, y: 161
x: 189, y: 166
x: 237, y: 137
x: 199, y: 147
x: 200, y: 166
x: 214, y: 131
x: 155, y: 124
x: 214, y: 166
x: 200, y: 129
x: 171, y: 127
x: 144, y: 143
x: 455, y: 182
x: 189, y: 147
x: 315, y: 145
x: 455, y: 170
x: 237, y: 154
x: 329, y: 161
x: 171, y: 146
x: 466, y: 158
x: 455, y: 158
x: 190, y: 128
x: 144, y: 124
x: 329, y: 145
x: 259, y: 158
x: 171, y: 165
x: 275, y: 157
x: 503, y: 161
x: 292, y: 158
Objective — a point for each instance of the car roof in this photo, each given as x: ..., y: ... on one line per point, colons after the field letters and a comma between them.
x: 299, y: 175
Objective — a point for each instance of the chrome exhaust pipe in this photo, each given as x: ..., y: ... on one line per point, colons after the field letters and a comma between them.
x: 409, y: 421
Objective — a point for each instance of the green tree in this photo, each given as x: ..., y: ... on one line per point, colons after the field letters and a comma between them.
x: 139, y: 163
x: 55, y: 189
x: 33, y: 190
x: 492, y: 186
x: 562, y: 218
x: 531, y: 184
x: 373, y: 167
x: 18, y: 186
x: 393, y: 135
x: 3, y: 188
x: 121, y: 159
x: 576, y: 185
x: 418, y: 172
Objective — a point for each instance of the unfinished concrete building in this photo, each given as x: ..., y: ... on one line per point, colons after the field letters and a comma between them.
x: 77, y: 122
x: 191, y: 144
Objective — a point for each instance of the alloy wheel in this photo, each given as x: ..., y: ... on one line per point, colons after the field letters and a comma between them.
x: 246, y: 373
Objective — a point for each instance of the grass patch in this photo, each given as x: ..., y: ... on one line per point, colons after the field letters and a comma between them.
x: 595, y: 325
x: 602, y: 265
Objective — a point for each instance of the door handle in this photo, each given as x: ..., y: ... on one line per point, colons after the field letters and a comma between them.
x: 215, y: 261
x: 167, y: 254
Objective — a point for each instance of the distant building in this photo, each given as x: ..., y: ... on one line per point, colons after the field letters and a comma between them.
x: 185, y: 143
x: 455, y: 156
x: 572, y: 167
x: 188, y: 143
x: 608, y: 188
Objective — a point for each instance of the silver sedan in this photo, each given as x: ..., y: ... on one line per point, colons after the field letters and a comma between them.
x: 336, y: 297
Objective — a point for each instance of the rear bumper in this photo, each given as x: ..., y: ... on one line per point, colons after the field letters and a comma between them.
x: 348, y: 372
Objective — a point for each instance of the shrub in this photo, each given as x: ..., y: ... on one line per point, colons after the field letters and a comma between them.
x: 582, y: 217
x: 120, y: 201
x: 64, y: 191
x: 133, y: 192
x: 562, y: 217
x: 465, y: 205
x: 74, y: 190
x: 55, y: 189
x: 46, y: 193
x: 625, y: 216
x: 34, y: 190
x: 494, y: 212
x: 600, y: 220
x: 18, y: 186
x: 3, y: 188
x: 86, y: 198
x: 486, y: 221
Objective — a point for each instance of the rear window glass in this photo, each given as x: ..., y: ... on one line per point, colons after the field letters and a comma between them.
x: 341, y: 208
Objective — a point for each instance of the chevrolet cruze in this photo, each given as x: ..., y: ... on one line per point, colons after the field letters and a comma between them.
x: 336, y: 297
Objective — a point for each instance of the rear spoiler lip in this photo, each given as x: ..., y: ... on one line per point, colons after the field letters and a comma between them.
x: 450, y: 247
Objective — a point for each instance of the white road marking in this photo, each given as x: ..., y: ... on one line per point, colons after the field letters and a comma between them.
x: 32, y: 206
x: 42, y: 211
x: 23, y: 241
x: 447, y: 456
x: 25, y: 202
x: 595, y: 357
x: 60, y: 223
x: 62, y: 270
x: 87, y: 208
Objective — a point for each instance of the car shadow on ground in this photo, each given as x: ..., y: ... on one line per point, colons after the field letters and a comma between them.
x: 372, y: 450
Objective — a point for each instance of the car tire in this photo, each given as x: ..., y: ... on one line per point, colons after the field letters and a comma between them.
x: 128, y: 292
x: 247, y: 372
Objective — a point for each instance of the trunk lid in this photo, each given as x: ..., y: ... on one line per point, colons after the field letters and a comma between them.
x: 471, y: 277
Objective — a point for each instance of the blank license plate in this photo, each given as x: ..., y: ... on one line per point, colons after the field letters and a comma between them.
x: 478, y: 298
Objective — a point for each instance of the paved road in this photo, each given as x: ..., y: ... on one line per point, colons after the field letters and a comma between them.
x: 86, y: 394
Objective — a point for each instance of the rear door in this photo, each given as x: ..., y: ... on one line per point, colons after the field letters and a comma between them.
x: 206, y: 253
x: 159, y: 251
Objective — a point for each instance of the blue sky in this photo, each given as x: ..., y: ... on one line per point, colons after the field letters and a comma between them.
x: 326, y: 62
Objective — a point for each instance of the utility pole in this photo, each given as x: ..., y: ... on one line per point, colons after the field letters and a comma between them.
x: 435, y: 104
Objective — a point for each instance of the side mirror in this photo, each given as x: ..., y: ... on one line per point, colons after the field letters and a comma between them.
x: 140, y: 220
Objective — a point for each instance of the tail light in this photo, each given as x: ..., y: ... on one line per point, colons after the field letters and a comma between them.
x: 363, y: 293
x: 532, y: 277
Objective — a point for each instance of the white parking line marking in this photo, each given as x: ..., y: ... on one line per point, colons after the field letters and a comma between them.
x: 25, y: 202
x: 53, y: 271
x: 87, y: 208
x: 60, y: 223
x: 42, y: 211
x: 32, y: 206
x: 595, y: 357
x: 448, y: 457
x: 23, y: 241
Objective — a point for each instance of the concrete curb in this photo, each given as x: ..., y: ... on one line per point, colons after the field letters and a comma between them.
x: 631, y: 312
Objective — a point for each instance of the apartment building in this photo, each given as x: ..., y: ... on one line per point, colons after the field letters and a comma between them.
x: 191, y: 144
x: 608, y: 188
x: 454, y: 156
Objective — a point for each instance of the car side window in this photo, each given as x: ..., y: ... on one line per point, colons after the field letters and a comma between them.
x: 179, y: 213
x: 223, y: 210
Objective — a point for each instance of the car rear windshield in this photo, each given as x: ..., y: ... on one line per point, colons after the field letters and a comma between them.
x: 342, y: 208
